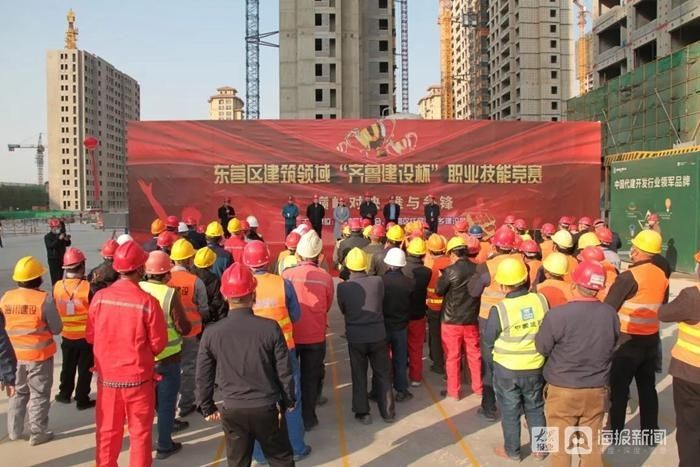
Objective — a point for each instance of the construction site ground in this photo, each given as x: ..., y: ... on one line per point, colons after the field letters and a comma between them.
x: 429, y: 429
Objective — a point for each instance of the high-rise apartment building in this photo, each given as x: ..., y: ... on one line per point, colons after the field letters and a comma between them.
x: 531, y: 59
x: 430, y: 105
x: 336, y: 58
x: 225, y: 105
x: 470, y: 66
x: 627, y: 35
x: 87, y: 96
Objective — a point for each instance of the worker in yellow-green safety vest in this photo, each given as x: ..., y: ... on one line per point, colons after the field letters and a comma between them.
x: 158, y: 269
x: 509, y: 340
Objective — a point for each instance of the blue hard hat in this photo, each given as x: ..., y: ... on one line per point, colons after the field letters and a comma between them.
x: 476, y: 231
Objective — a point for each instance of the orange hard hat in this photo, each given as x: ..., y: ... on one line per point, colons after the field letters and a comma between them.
x: 436, y: 243
x: 158, y: 262
x: 157, y: 226
x: 72, y: 257
x: 237, y: 281
x: 256, y: 254
x: 129, y: 257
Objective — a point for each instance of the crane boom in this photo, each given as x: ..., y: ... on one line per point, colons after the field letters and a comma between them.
x: 38, y: 158
x: 445, y: 22
x: 581, y: 48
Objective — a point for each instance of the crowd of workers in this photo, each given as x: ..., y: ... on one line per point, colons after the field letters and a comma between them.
x: 547, y: 323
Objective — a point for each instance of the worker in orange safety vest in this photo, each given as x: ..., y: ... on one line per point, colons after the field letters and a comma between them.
x: 436, y: 248
x: 72, y: 296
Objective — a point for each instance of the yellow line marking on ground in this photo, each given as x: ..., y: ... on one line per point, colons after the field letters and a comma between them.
x: 457, y: 435
x: 338, y: 407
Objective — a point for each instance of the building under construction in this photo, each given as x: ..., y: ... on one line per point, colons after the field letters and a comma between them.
x: 655, y: 107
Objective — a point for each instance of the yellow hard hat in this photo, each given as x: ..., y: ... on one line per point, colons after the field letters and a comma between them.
x: 346, y: 231
x: 181, y: 250
x: 234, y: 226
x: 367, y: 230
x: 356, y: 260
x: 649, y: 241
x: 204, y: 258
x: 27, y: 269
x: 526, y: 237
x: 395, y: 234
x: 588, y: 239
x: 563, y: 239
x: 214, y: 229
x: 417, y: 247
x: 289, y: 262
x: 456, y: 242
x: 556, y: 263
x: 511, y: 271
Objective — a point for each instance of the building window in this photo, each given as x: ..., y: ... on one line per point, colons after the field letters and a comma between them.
x: 383, y: 24
x: 552, y: 59
x: 553, y: 44
x: 319, y: 69
x: 554, y: 74
x: 555, y: 119
x: 383, y: 46
x: 383, y: 110
x: 383, y: 67
x: 552, y: 13
x: 554, y: 90
x: 382, y: 3
x: 555, y: 105
x: 319, y: 117
x: 332, y: 116
x: 319, y: 95
x: 318, y: 19
x: 384, y: 88
x: 319, y: 44
x: 552, y: 28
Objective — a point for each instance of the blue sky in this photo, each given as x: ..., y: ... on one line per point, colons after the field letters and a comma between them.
x: 177, y: 51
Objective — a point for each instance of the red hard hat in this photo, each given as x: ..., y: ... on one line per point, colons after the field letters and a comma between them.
x: 565, y: 221
x: 520, y: 224
x: 166, y: 239
x: 416, y: 233
x: 237, y: 281
x: 292, y: 240
x: 592, y: 253
x: 473, y: 245
x: 158, y: 262
x: 245, y: 226
x: 548, y: 229
x: 129, y: 257
x: 378, y: 231
x: 201, y: 228
x: 172, y: 221
x: 598, y: 222
x: 461, y: 226
x: 510, y: 219
x: 590, y: 275
x: 585, y: 221
x: 605, y: 235
x: 517, y: 241
x: 108, y: 248
x: 355, y: 224
x: 256, y: 254
x: 72, y: 257
x: 653, y: 217
x: 54, y: 223
x: 190, y: 221
x: 390, y: 225
x: 529, y: 247
x: 365, y: 222
x: 504, y: 238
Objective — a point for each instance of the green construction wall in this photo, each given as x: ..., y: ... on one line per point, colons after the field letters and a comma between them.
x: 22, y: 197
x: 632, y: 117
x: 650, y: 185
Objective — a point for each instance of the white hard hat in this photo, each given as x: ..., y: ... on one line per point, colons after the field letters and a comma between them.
x: 395, y: 257
x: 252, y: 221
x: 310, y: 245
x: 182, y: 228
x: 123, y: 238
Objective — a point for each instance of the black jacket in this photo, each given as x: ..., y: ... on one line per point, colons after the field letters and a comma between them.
x: 397, y: 213
x: 102, y: 276
x: 360, y: 300
x: 458, y: 306
x: 315, y: 213
x: 248, y: 359
x: 197, y: 239
x: 421, y: 275
x: 354, y: 240
x: 218, y: 308
x: 432, y: 212
x: 397, y: 300
x: 150, y: 245
x: 226, y: 213
x: 55, y: 247
x: 368, y: 210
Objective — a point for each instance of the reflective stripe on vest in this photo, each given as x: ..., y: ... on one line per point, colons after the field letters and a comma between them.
x: 29, y: 333
x: 270, y: 302
x: 184, y: 282
x: 520, y: 319
x: 164, y: 295
x: 76, y: 291
x: 687, y: 348
x: 638, y: 315
x: 434, y: 301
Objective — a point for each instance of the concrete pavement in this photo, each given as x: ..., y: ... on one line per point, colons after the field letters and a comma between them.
x: 429, y: 429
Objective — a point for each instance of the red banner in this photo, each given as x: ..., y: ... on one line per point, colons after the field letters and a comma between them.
x: 481, y: 170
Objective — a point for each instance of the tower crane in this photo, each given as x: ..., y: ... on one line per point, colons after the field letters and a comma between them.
x: 581, y: 47
x: 445, y: 22
x: 39, y: 158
